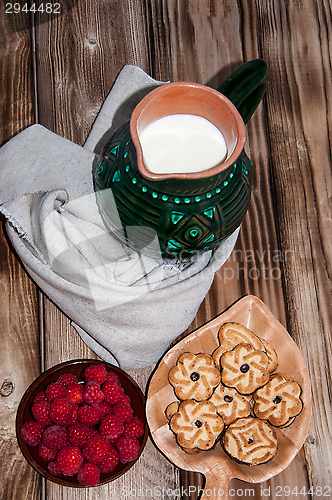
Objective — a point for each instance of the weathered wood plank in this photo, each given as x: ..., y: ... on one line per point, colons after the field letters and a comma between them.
x: 208, y: 40
x: 18, y: 295
x: 299, y: 122
x: 19, y: 366
x: 78, y: 57
x: 88, y: 56
x: 17, y: 93
x: 152, y: 472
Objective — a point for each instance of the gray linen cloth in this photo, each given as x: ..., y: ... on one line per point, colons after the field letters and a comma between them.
x: 127, y: 307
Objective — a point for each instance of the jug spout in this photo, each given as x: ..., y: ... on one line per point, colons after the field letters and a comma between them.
x: 246, y: 87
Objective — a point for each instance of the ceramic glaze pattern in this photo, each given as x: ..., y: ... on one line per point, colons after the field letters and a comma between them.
x: 189, y: 213
x: 188, y: 217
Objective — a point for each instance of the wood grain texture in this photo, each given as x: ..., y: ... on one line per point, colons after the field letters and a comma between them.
x: 78, y: 57
x: 19, y: 366
x: 256, y: 263
x: 17, y: 93
x: 283, y: 254
x: 88, y: 54
x: 152, y: 471
x: 299, y: 118
x: 18, y: 295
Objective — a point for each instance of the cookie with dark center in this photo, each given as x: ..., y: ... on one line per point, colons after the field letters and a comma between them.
x: 194, y: 376
x: 232, y: 334
x: 244, y: 368
x: 279, y: 401
x: 230, y: 404
x: 196, y: 425
x: 250, y: 441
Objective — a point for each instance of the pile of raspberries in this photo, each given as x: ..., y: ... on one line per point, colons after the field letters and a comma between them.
x: 84, y: 428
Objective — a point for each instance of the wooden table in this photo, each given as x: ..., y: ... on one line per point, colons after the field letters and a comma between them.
x: 59, y: 72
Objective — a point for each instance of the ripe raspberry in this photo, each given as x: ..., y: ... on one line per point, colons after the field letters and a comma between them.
x: 93, y: 432
x: 105, y: 408
x: 40, y: 396
x: 74, y: 416
x: 54, y: 469
x: 46, y: 453
x: 125, y: 399
x: 134, y: 428
x: 89, y: 415
x: 79, y: 433
x: 40, y: 411
x: 95, y: 372
x: 92, y: 393
x: 110, y: 462
x: 70, y: 460
x: 61, y: 411
x: 31, y: 432
x: 54, y: 437
x: 55, y: 390
x: 111, y: 428
x: 96, y: 449
x: 67, y: 378
x: 128, y: 447
x: 112, y: 391
x: 88, y: 475
x: 123, y: 411
x: 74, y: 393
x: 113, y: 377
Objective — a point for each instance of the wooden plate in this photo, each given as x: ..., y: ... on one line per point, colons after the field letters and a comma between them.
x: 216, y: 466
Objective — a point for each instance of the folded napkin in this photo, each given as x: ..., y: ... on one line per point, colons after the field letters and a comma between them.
x: 127, y: 307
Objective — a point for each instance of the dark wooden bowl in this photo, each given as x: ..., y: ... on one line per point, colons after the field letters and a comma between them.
x: 76, y: 367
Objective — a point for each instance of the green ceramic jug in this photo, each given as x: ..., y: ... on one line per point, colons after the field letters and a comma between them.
x: 183, y: 213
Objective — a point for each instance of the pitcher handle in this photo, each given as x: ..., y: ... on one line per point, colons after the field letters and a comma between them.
x: 246, y: 87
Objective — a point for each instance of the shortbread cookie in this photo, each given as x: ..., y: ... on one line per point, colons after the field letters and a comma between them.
x: 279, y: 401
x: 196, y: 425
x: 194, y: 377
x: 171, y: 409
x: 244, y: 368
x: 230, y: 404
x: 271, y: 354
x: 250, y: 441
x: 232, y: 334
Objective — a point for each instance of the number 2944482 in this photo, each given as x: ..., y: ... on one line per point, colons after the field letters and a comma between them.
x: 318, y: 491
x: 48, y: 8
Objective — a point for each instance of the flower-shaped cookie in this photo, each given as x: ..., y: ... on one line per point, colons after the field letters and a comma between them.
x: 232, y: 334
x: 194, y: 376
x: 279, y: 401
x: 230, y: 404
x: 196, y: 425
x: 250, y: 441
x: 244, y: 368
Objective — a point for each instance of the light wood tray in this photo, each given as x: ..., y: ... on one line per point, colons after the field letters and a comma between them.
x: 216, y: 466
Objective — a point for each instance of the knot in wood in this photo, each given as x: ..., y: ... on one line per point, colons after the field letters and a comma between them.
x: 7, y: 388
x: 312, y: 440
